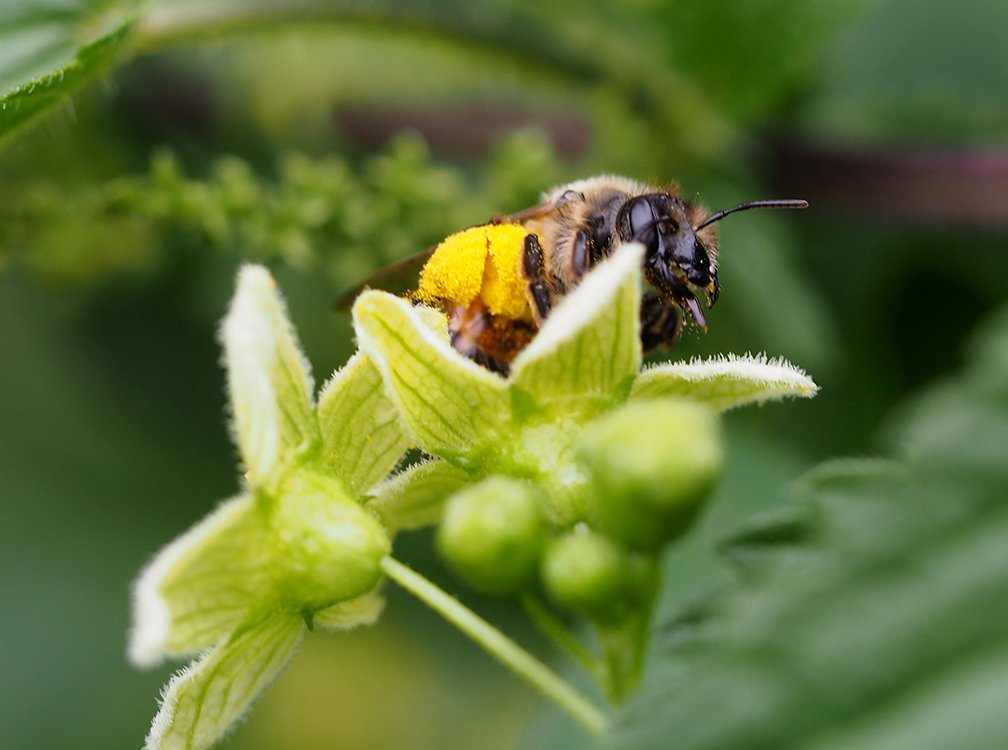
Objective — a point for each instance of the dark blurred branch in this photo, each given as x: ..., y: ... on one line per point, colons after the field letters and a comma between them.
x: 469, y: 129
x: 628, y: 71
x: 940, y: 186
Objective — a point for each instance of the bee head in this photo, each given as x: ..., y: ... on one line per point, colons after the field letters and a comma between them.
x: 678, y: 264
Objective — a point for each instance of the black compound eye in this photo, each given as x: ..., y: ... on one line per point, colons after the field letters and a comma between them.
x: 641, y: 215
x: 643, y: 225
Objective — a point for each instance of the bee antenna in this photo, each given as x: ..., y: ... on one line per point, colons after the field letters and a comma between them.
x: 781, y: 203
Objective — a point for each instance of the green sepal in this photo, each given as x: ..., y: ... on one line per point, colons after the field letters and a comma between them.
x: 202, y: 701
x: 354, y: 613
x: 449, y: 403
x: 414, y: 497
x: 361, y: 432
x: 725, y: 382
x: 201, y: 586
x: 269, y: 379
x: 590, y: 343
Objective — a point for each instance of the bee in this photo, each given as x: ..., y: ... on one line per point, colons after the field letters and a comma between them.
x: 497, y: 282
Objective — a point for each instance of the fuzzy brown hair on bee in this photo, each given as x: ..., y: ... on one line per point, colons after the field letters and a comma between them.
x: 497, y: 282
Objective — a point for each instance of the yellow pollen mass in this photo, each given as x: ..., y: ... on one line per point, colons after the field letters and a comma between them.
x: 483, y: 261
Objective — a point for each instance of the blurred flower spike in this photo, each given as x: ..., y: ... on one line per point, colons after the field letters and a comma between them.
x: 294, y: 550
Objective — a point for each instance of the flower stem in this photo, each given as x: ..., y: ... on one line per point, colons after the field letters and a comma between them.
x: 498, y: 645
x: 555, y: 630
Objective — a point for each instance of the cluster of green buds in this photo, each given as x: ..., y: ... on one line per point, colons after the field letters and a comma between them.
x: 558, y: 485
x: 568, y: 477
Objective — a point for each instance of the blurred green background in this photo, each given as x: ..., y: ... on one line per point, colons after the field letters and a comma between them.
x: 328, y: 139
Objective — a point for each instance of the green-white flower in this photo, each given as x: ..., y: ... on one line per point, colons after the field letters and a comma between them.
x: 584, y: 363
x: 569, y: 475
x: 294, y: 550
x: 575, y: 469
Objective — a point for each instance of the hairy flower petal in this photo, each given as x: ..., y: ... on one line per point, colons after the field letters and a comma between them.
x: 590, y: 343
x: 203, y: 701
x: 269, y: 380
x: 362, y: 434
x: 414, y: 498
x: 449, y: 403
x: 201, y: 586
x: 725, y: 382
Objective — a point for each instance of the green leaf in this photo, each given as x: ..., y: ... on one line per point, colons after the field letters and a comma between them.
x: 877, y: 616
x: 449, y: 403
x: 589, y: 345
x: 202, y: 585
x: 911, y: 73
x: 725, y: 382
x: 203, y: 700
x: 269, y: 379
x: 743, y: 55
x: 50, y: 51
x: 362, y: 435
x: 414, y: 498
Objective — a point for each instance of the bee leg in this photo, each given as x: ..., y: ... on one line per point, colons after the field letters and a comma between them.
x: 466, y: 325
x: 540, y: 291
x: 661, y: 323
x: 490, y: 362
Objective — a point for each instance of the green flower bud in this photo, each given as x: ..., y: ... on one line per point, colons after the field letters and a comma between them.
x: 491, y: 534
x: 584, y: 571
x: 331, y: 546
x: 651, y: 464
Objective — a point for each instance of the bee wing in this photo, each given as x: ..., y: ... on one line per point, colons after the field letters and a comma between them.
x: 533, y: 212
x: 397, y: 278
x: 402, y: 275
